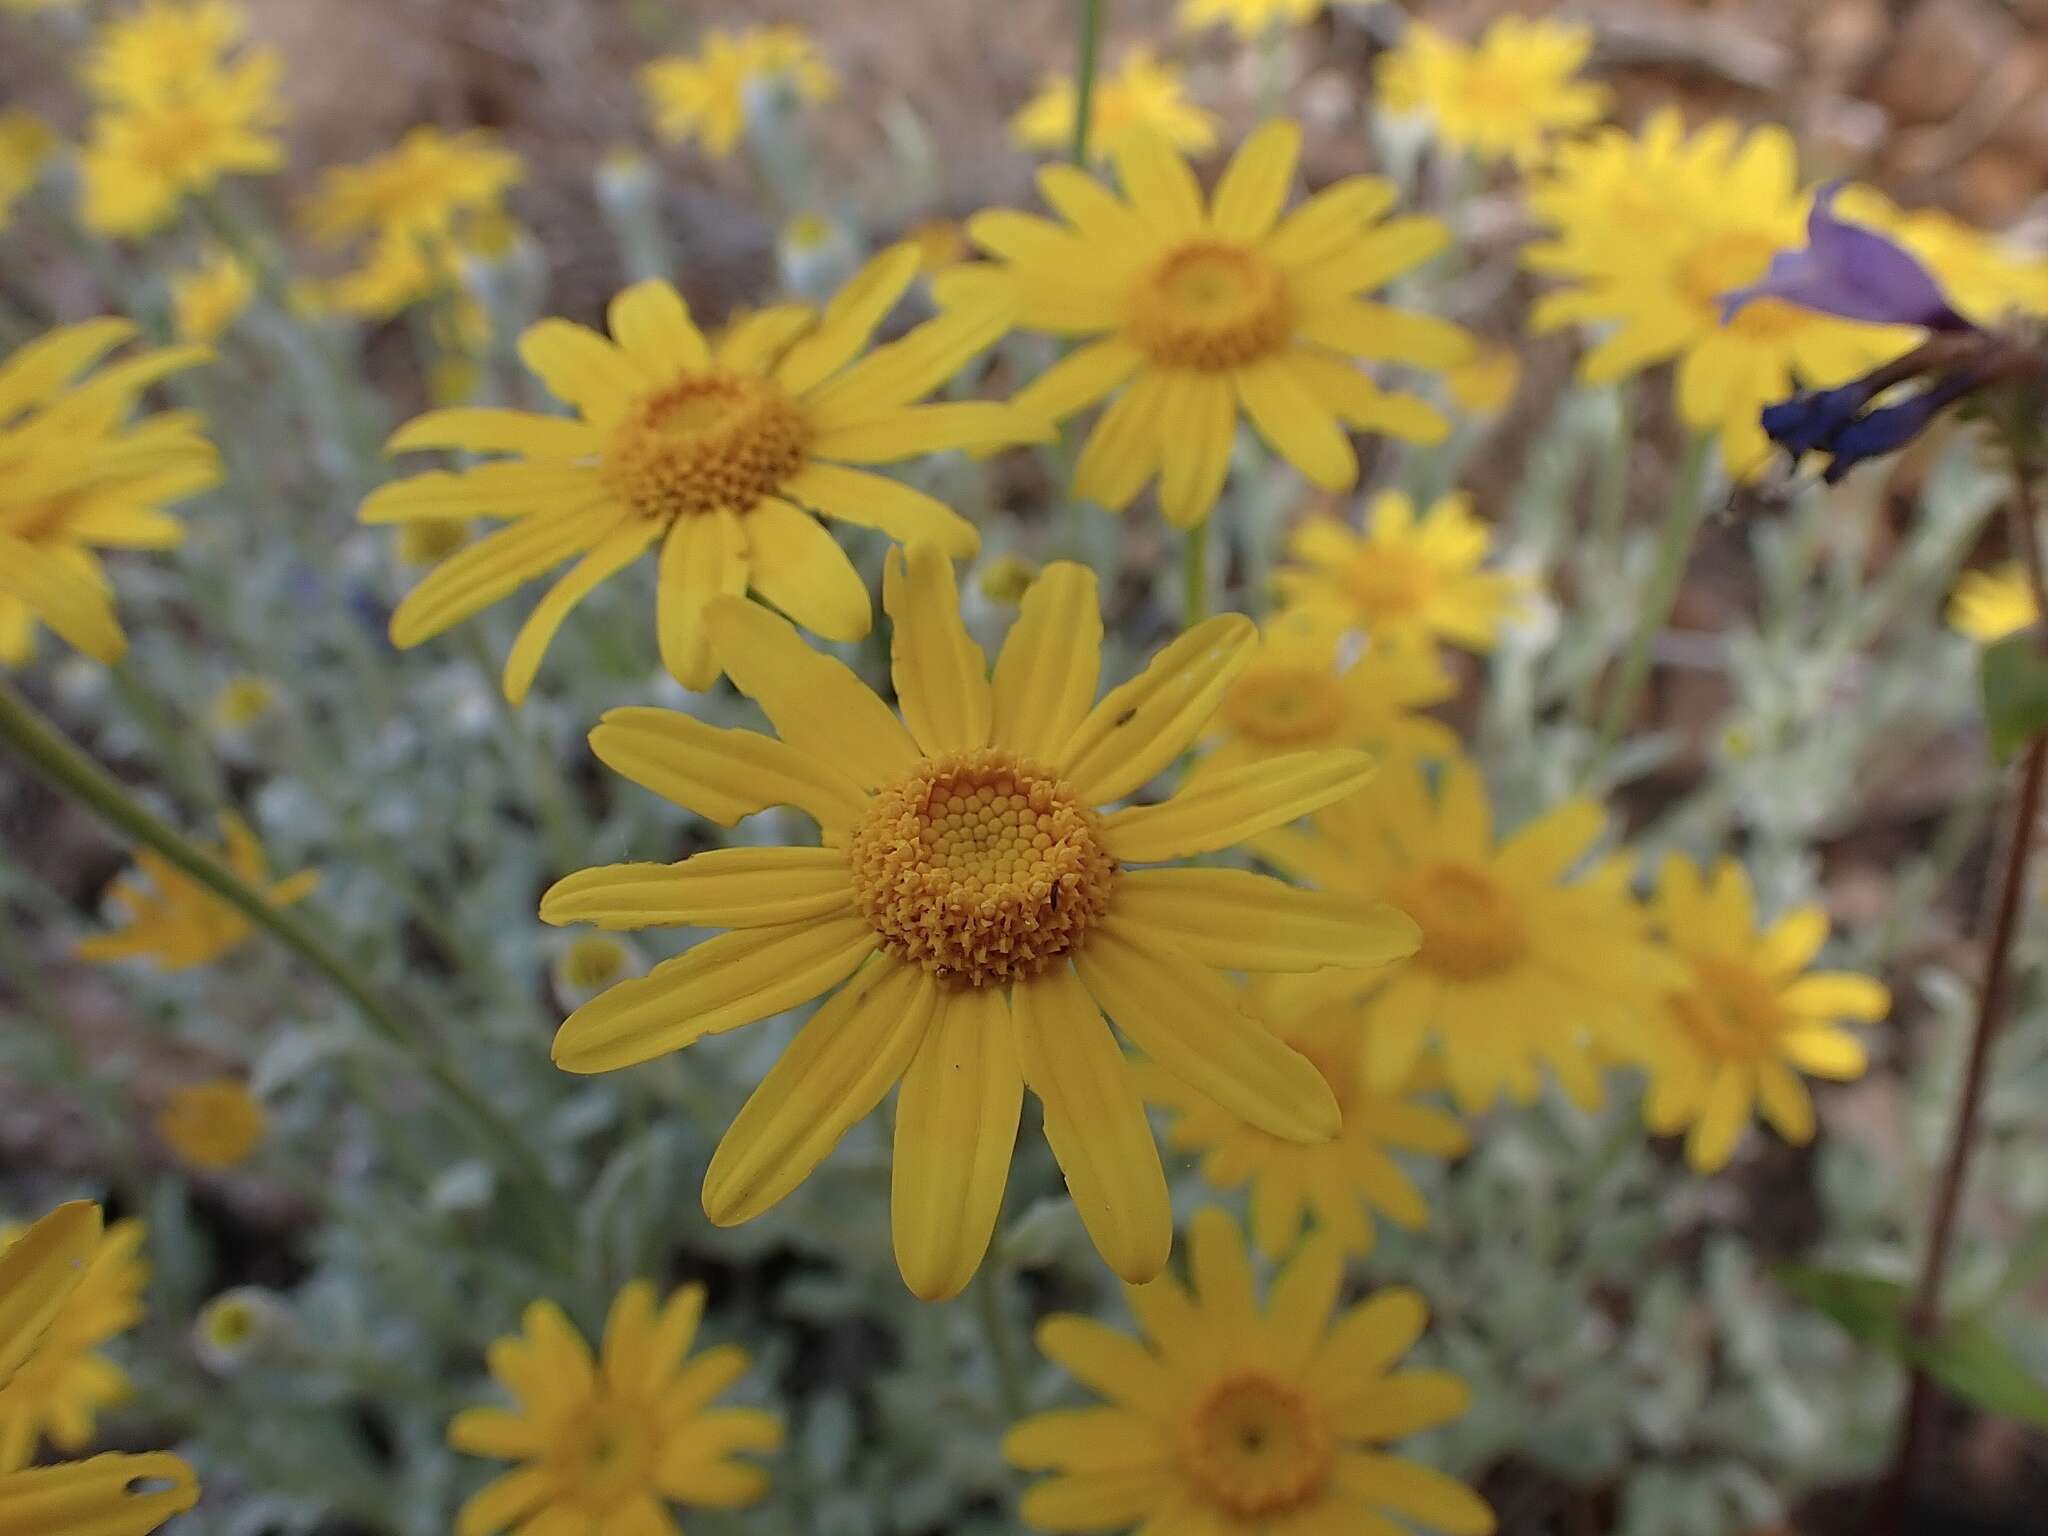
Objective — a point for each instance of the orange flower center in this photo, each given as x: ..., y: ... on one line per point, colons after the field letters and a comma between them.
x: 1256, y: 1447
x: 1729, y: 1009
x: 1285, y: 706
x: 982, y: 867
x: 606, y: 1454
x: 1471, y: 927
x: 709, y: 441
x: 1722, y: 263
x: 1210, y: 306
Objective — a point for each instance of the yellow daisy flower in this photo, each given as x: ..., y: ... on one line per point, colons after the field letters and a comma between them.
x: 58, y: 1391
x: 978, y: 908
x: 1144, y: 96
x: 1502, y: 98
x: 1406, y: 582
x: 712, y: 453
x: 1745, y: 1014
x: 1250, y: 19
x: 212, y: 1126
x: 245, y: 700
x: 1233, y: 1419
x: 705, y: 95
x: 1990, y: 605
x: 1302, y: 691
x: 1340, y: 1183
x: 1652, y: 230
x: 1200, y: 312
x: 162, y: 49
x: 175, y: 921
x: 609, y: 1443
x: 50, y: 1275
x: 25, y: 143
x: 77, y: 476
x: 208, y: 298
x: 1520, y: 967
x: 425, y: 185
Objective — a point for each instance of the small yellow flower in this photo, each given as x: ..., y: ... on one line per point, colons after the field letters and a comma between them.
x: 237, y: 1327
x: 212, y: 1126
x: 208, y: 298
x: 592, y: 963
x: 1006, y: 579
x: 1144, y: 96
x: 64, y: 1286
x: 162, y: 49
x: 1406, y: 581
x: 1745, y: 1014
x: 609, y: 1443
x: 1200, y: 312
x: 1484, y: 386
x: 1502, y: 98
x: 77, y: 476
x: 1652, y: 230
x: 710, y: 454
x: 1521, y: 965
x: 1303, y: 691
x: 175, y: 921
x: 25, y: 143
x: 428, y: 541
x: 705, y: 96
x: 1250, y: 19
x: 426, y: 185
x: 1340, y: 1184
x: 1234, y: 1419
x: 972, y: 913
x: 1990, y: 605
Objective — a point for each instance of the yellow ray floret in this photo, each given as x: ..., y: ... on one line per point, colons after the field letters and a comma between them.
x: 1199, y: 311
x: 705, y: 96
x: 715, y: 455
x: 1250, y: 19
x: 1502, y: 98
x: 972, y: 914
x: 1989, y: 605
x: 1143, y: 96
x: 608, y: 1442
x: 177, y: 923
x: 1235, y: 1419
x: 58, y: 1391
x: 212, y: 1126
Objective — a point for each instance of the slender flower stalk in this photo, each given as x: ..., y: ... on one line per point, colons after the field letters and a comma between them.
x: 76, y: 776
x: 1086, y: 64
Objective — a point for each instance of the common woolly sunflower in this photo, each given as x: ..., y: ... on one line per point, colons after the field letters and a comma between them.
x: 608, y: 1443
x: 212, y: 1126
x: 1407, y: 581
x: 1311, y: 685
x: 1236, y: 1419
x: 1249, y: 19
x: 1142, y: 96
x: 1342, y: 1183
x: 25, y: 143
x: 208, y: 298
x: 78, y: 475
x: 58, y: 1391
x: 1989, y: 605
x: 1504, y: 97
x: 1199, y: 312
x: 1521, y: 965
x: 971, y: 912
x: 45, y: 1270
x: 1652, y: 231
x: 162, y: 48
x: 712, y: 453
x: 708, y: 95
x: 1747, y: 1016
x: 177, y: 923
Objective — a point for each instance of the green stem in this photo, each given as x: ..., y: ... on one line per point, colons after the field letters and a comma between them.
x: 530, y: 758
x: 1674, y: 543
x: 1088, y: 50
x: 1196, y: 575
x: 72, y: 773
x: 995, y: 1330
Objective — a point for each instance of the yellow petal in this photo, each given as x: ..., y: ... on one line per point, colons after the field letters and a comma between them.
x: 1332, y: 221
x: 582, y: 368
x: 1826, y: 1052
x: 1047, y: 669
x: 956, y: 1129
x: 800, y: 568
x: 1723, y: 1117
x: 72, y: 603
x: 1219, y: 810
x: 503, y: 1503
x: 613, y: 554
x: 1367, y: 1339
x: 1790, y: 943
x: 651, y: 321
x: 38, y: 1271
x: 37, y: 370
x: 719, y: 985
x: 1144, y: 724
x: 503, y: 488
x: 1254, y: 186
x: 1160, y: 185
x: 1239, y: 921
x: 1184, y: 1017
x: 1087, y: 1440
x: 903, y: 512
x: 849, y: 319
x: 912, y: 430
x: 100, y: 1496
x: 1112, y: 1364
x: 1411, y: 1489
x: 484, y: 429
x: 831, y: 1077
x: 1079, y: 379
x: 1123, y: 449
x: 1405, y: 1403
x: 912, y: 367
x: 703, y: 559
x: 1198, y: 430
x: 1381, y: 334
x: 495, y: 1433
x: 1095, y: 1123
x: 1100, y: 1501
x: 1785, y: 1101
x: 1296, y: 424
x: 1831, y: 995
x: 493, y: 568
x: 941, y: 675
x: 722, y: 888
x: 722, y: 774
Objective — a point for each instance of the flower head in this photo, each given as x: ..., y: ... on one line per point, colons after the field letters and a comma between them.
x: 712, y: 453
x: 175, y: 921
x: 240, y: 1326
x: 1521, y: 966
x: 78, y: 476
x: 1143, y: 96
x: 609, y: 1442
x: 708, y: 95
x: 1990, y: 605
x: 591, y: 963
x: 1744, y: 1014
x: 25, y: 143
x: 1406, y: 581
x: 1502, y: 98
x: 212, y: 1126
x: 972, y: 912
x: 162, y: 50
x: 59, y: 1390
x: 1250, y: 19
x: 1242, y: 1419
x: 1202, y: 311
x: 208, y: 298
x: 1340, y: 1184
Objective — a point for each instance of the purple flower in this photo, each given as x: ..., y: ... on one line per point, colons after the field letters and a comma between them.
x: 1852, y: 272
